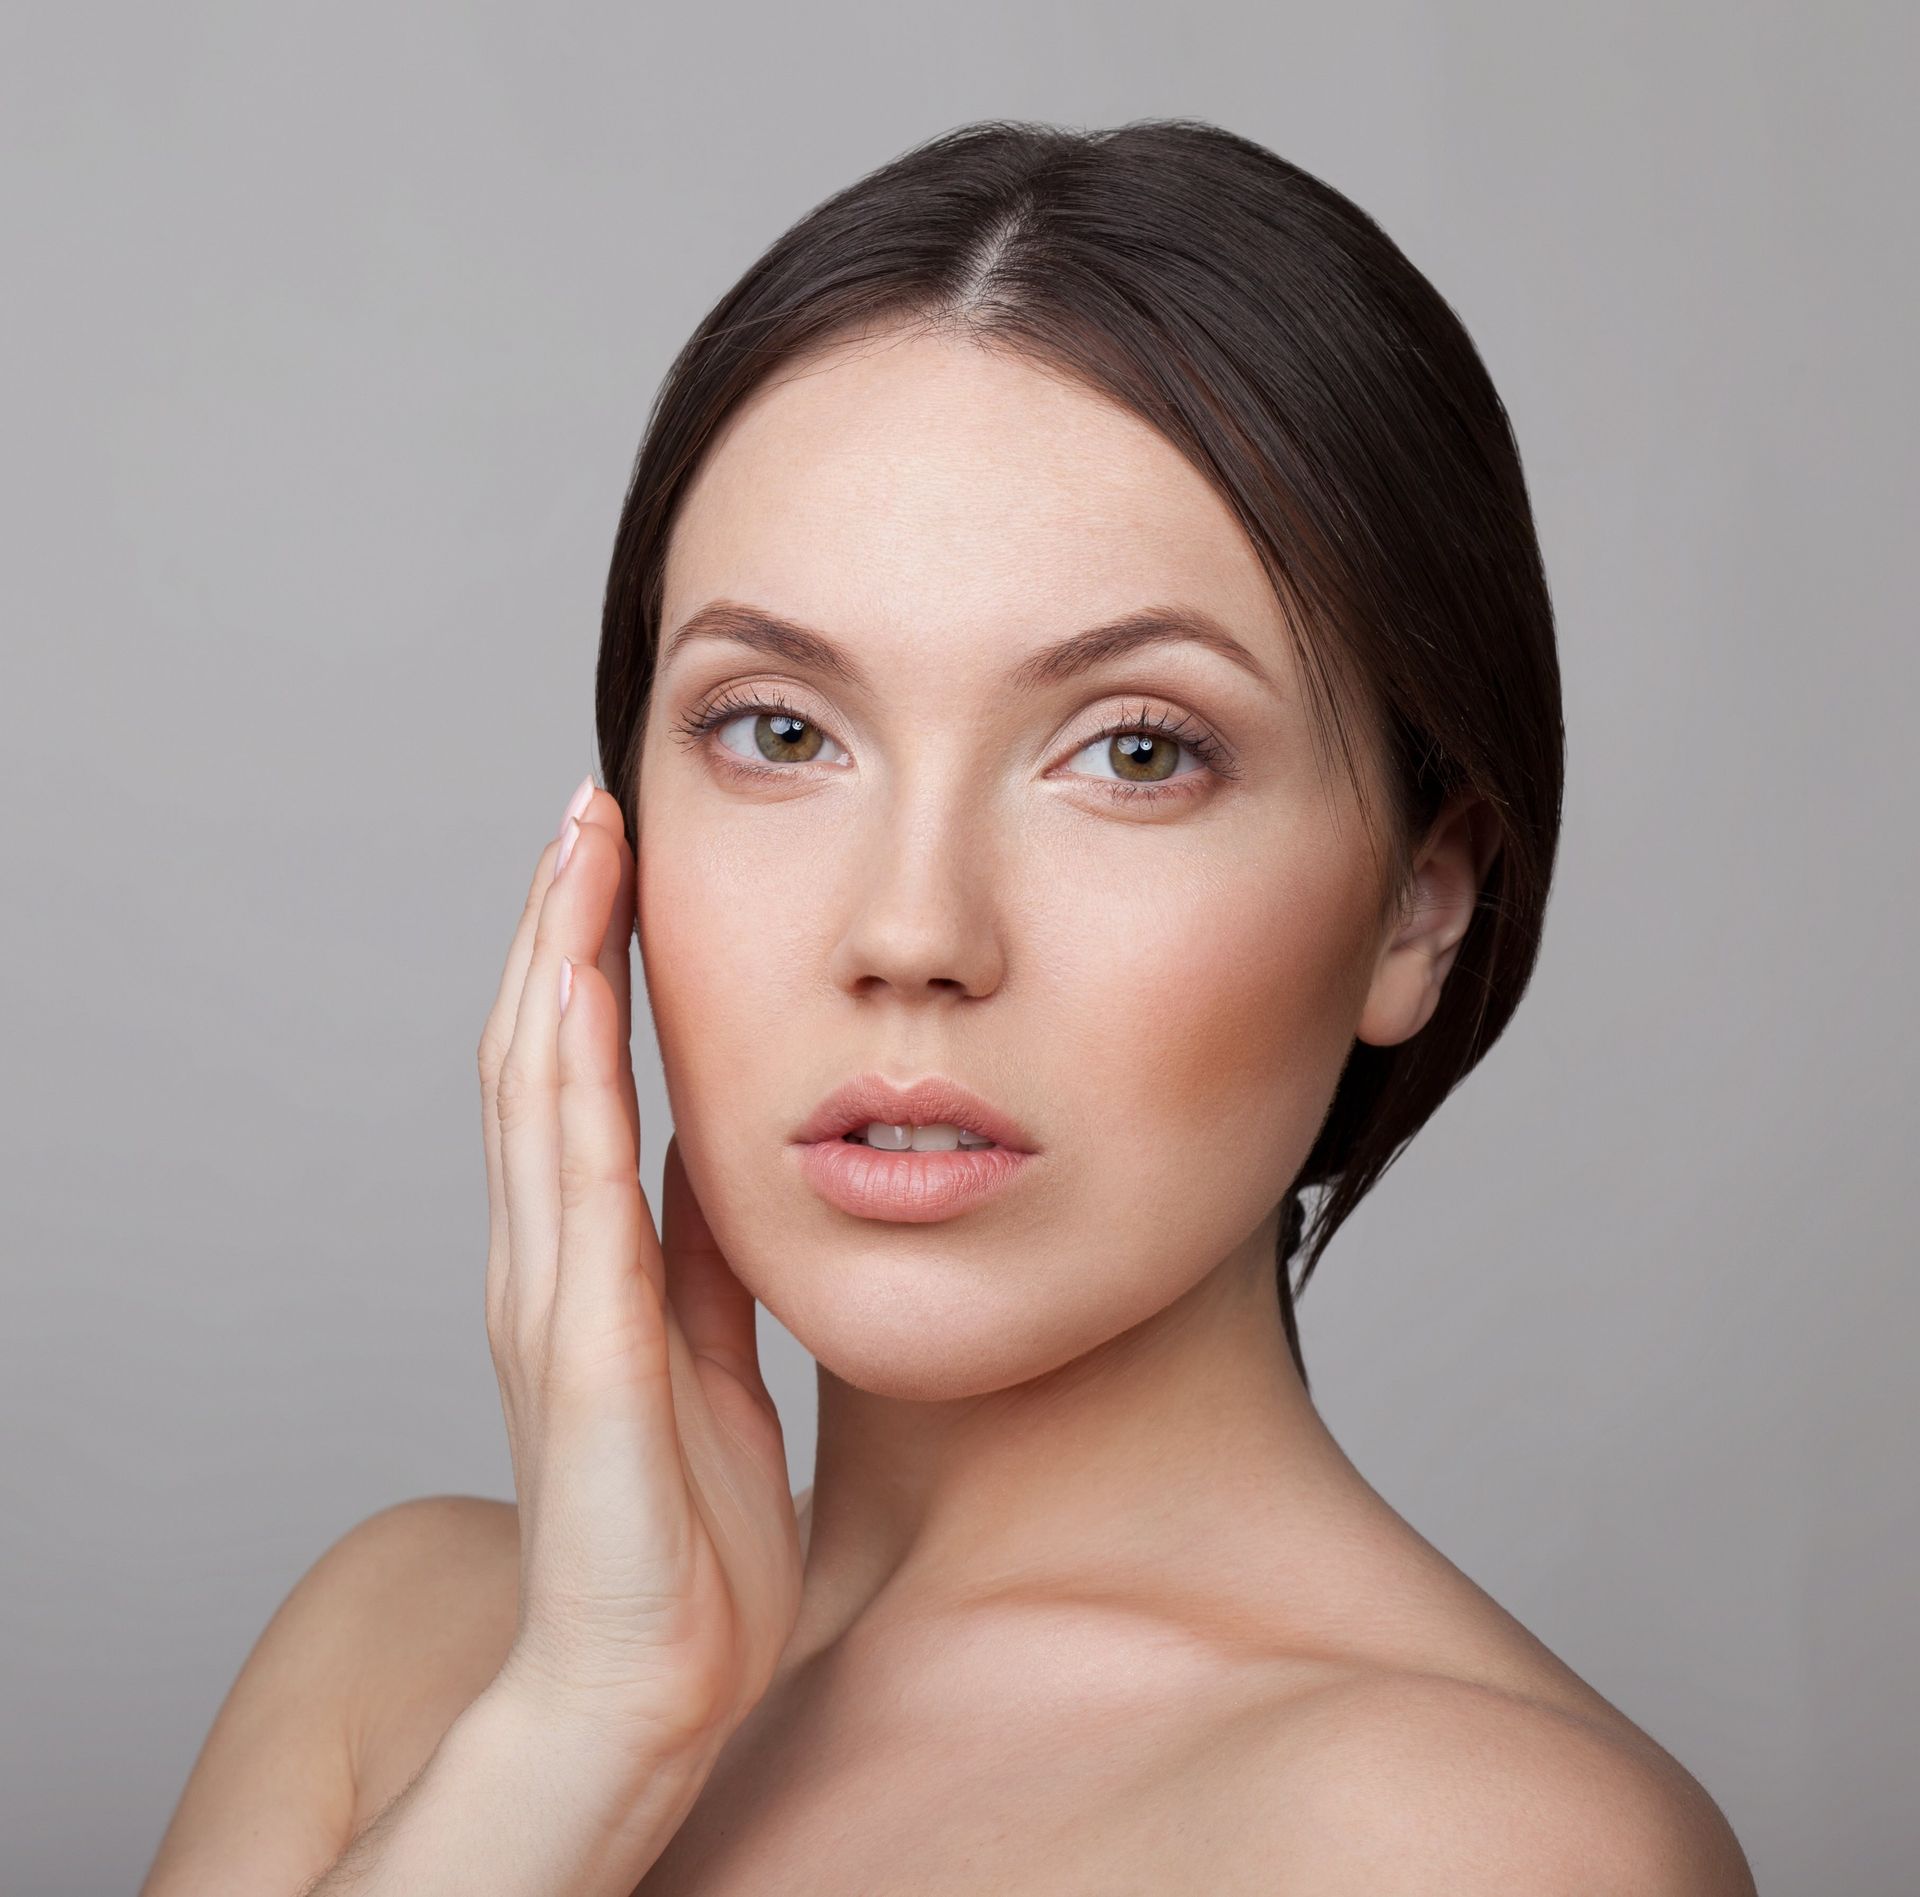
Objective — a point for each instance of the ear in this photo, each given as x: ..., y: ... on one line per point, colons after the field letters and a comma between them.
x: 1449, y: 873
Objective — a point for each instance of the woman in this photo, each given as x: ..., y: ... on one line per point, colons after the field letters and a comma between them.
x: 1081, y: 723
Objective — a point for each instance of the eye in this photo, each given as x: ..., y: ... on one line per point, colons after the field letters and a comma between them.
x: 775, y: 736
x: 1144, y: 755
x: 773, y: 733
x: 1142, y: 752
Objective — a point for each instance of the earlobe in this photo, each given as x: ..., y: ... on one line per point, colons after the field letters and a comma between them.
x: 1405, y: 991
x: 1414, y: 964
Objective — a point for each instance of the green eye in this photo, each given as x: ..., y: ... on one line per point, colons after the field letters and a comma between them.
x: 1142, y: 754
x: 1139, y: 757
x: 780, y: 734
x: 781, y: 738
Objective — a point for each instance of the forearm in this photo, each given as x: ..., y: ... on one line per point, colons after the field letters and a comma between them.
x: 519, y: 1805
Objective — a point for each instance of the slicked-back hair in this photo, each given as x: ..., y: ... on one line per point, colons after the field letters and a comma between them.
x: 1270, y: 330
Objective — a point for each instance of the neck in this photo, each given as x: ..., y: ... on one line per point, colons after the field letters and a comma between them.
x: 1154, y: 1469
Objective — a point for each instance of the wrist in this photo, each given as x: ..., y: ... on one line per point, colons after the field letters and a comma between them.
x: 625, y: 1764
x: 525, y: 1798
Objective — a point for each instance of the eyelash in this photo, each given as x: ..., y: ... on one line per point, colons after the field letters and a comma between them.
x: 697, y: 723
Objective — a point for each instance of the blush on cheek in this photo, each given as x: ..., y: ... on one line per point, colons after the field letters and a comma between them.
x: 684, y: 937
x: 1253, y: 1025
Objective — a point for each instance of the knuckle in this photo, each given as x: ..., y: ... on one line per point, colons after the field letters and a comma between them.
x: 585, y: 1183
x: 517, y: 1094
x: 503, y: 1345
x: 491, y: 1052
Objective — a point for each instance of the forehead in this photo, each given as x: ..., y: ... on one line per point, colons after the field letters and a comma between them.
x: 926, y: 487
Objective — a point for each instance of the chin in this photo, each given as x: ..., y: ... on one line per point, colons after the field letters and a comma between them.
x: 910, y: 1329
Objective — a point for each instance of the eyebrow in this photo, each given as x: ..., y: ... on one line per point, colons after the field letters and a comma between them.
x: 1079, y: 652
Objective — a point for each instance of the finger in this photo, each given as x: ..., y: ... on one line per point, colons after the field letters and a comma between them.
x: 609, y: 1330
x: 614, y: 958
x: 716, y: 1311
x: 604, y: 809
x: 571, y: 923
x: 495, y: 1037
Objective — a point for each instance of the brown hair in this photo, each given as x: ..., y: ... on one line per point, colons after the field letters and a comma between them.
x: 1269, y: 329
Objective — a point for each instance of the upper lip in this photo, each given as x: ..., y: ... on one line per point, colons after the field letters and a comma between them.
x: 924, y: 1103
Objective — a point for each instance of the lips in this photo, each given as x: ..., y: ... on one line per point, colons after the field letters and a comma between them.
x: 924, y: 1103
x: 906, y: 1188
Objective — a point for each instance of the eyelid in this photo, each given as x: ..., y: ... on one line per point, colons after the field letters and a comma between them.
x: 739, y: 697
x: 748, y: 695
x: 1200, y: 738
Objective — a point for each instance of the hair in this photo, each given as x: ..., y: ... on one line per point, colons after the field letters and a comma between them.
x: 1270, y: 330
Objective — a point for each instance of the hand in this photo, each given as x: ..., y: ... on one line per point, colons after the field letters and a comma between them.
x: 659, y: 1551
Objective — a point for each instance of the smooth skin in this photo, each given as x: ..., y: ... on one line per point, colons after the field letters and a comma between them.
x: 656, y: 1548
x: 1089, y: 1597
x: 659, y: 1551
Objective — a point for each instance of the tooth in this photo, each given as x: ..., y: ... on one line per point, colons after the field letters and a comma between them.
x: 893, y: 1137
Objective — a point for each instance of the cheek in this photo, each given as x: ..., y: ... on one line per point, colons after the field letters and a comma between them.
x: 1221, y: 996
x: 1174, y: 1017
x: 1198, y: 1040
x: 709, y: 942
x: 1257, y: 1010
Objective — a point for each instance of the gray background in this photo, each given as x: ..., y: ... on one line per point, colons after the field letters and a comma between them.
x: 329, y: 337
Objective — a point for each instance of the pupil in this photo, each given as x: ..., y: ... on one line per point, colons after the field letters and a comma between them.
x: 1133, y: 747
x: 787, y: 746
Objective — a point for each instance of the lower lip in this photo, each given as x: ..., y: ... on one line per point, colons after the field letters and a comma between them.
x: 915, y: 1188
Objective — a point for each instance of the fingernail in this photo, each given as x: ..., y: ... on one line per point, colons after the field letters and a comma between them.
x: 577, y: 803
x: 569, y: 835
x: 566, y: 983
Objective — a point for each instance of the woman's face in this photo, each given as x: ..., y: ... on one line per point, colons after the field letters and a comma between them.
x: 945, y: 871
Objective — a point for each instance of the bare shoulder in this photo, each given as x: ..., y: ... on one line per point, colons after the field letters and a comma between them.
x: 439, y: 1610
x: 446, y: 1608
x: 1404, y: 1783
x: 271, y: 1797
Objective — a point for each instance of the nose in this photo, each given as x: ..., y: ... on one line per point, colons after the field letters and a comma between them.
x: 924, y: 908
